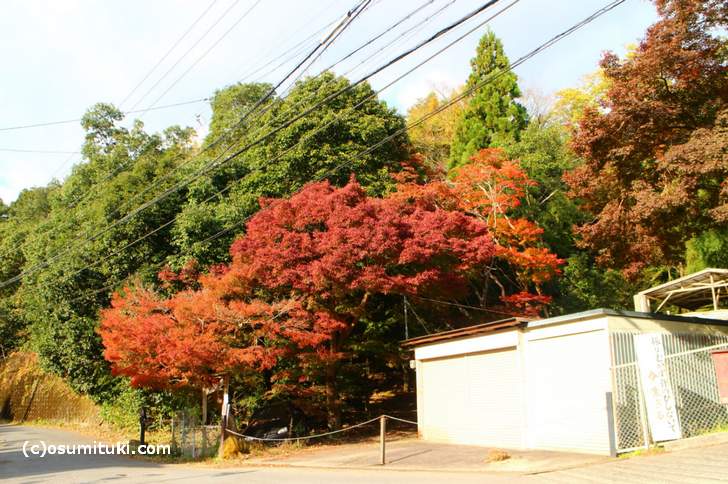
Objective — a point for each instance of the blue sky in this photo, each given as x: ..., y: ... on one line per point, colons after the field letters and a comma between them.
x: 61, y: 57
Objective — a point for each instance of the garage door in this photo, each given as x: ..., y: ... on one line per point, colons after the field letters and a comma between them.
x: 568, y: 381
x: 472, y: 399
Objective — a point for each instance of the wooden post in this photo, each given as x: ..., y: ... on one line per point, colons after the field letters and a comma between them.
x: 203, y: 441
x: 382, y: 444
x: 641, y: 303
x: 224, y: 419
x: 174, y: 440
x: 204, y: 407
x: 194, y: 431
x: 142, y: 424
x: 712, y: 290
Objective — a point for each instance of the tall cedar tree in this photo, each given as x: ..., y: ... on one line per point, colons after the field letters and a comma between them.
x: 300, y: 287
x: 656, y: 164
x: 492, y: 115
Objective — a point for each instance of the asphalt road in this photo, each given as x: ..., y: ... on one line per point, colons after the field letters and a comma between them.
x: 697, y: 465
x: 16, y: 468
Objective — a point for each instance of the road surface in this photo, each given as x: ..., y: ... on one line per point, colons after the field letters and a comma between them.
x: 703, y: 465
x: 16, y: 468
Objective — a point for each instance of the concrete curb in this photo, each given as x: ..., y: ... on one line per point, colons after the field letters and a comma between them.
x: 377, y: 468
x: 707, y: 440
x: 459, y: 470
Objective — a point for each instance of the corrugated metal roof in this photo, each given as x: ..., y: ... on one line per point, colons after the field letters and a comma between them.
x: 467, y: 331
x: 692, y: 291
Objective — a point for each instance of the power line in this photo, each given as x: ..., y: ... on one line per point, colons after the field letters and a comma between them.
x: 401, y: 35
x: 151, y: 185
x: 372, y: 95
x: 204, y: 54
x: 78, y: 120
x: 386, y: 31
x: 186, y: 53
x: 328, y: 40
x: 50, y: 152
x: 362, y: 153
x: 248, y: 74
x: 335, y: 35
x: 164, y: 57
x: 417, y: 316
x: 199, y: 173
x: 216, y: 141
x: 461, y: 96
x: 465, y: 306
x: 351, y: 16
x: 457, y: 99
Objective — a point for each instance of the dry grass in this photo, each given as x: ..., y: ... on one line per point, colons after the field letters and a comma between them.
x: 29, y: 393
x: 654, y: 450
x: 497, y: 455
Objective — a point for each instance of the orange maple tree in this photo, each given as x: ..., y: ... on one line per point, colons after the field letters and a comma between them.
x: 490, y: 188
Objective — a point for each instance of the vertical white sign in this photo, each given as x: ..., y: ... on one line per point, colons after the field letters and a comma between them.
x: 659, y: 398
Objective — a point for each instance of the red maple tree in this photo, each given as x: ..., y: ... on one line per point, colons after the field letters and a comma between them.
x: 187, y: 340
x: 655, y: 165
x: 299, y: 282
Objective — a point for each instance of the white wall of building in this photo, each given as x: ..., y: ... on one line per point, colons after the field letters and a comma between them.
x: 546, y: 386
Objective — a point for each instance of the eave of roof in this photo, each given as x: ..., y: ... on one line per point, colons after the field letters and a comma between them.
x: 467, y: 331
x: 567, y: 318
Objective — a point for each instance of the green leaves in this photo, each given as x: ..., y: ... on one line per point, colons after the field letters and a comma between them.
x: 311, y: 148
x: 492, y: 116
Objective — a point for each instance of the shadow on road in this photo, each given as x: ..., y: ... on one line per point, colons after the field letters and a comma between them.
x: 14, y: 465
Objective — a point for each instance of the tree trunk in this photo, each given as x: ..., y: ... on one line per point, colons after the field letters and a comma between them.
x: 405, y: 376
x: 332, y: 401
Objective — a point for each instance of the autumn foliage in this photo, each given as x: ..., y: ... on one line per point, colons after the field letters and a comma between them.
x: 490, y: 188
x: 299, y: 282
x: 656, y: 166
x: 188, y: 340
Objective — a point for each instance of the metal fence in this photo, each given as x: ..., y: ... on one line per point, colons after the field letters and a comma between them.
x: 691, y: 375
x: 190, y: 439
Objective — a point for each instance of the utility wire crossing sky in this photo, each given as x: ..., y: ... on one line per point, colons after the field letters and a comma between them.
x: 164, y: 59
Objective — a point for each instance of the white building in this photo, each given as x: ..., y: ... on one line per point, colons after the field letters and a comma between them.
x: 571, y: 382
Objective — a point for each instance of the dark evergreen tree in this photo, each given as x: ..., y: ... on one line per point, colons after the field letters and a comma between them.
x: 492, y: 116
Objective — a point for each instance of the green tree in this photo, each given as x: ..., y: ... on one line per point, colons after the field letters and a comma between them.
x: 586, y: 286
x: 232, y: 103
x: 709, y: 249
x: 493, y: 116
x: 69, y: 278
x: 544, y: 154
x: 312, y: 148
x: 18, y: 221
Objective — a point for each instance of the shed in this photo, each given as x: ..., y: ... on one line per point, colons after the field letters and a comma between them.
x: 569, y: 383
x: 702, y: 289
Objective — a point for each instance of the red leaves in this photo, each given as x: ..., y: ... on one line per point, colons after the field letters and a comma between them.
x: 299, y: 279
x: 489, y: 189
x: 327, y: 243
x: 655, y: 154
x: 491, y: 184
x: 526, y: 303
x: 189, y: 339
